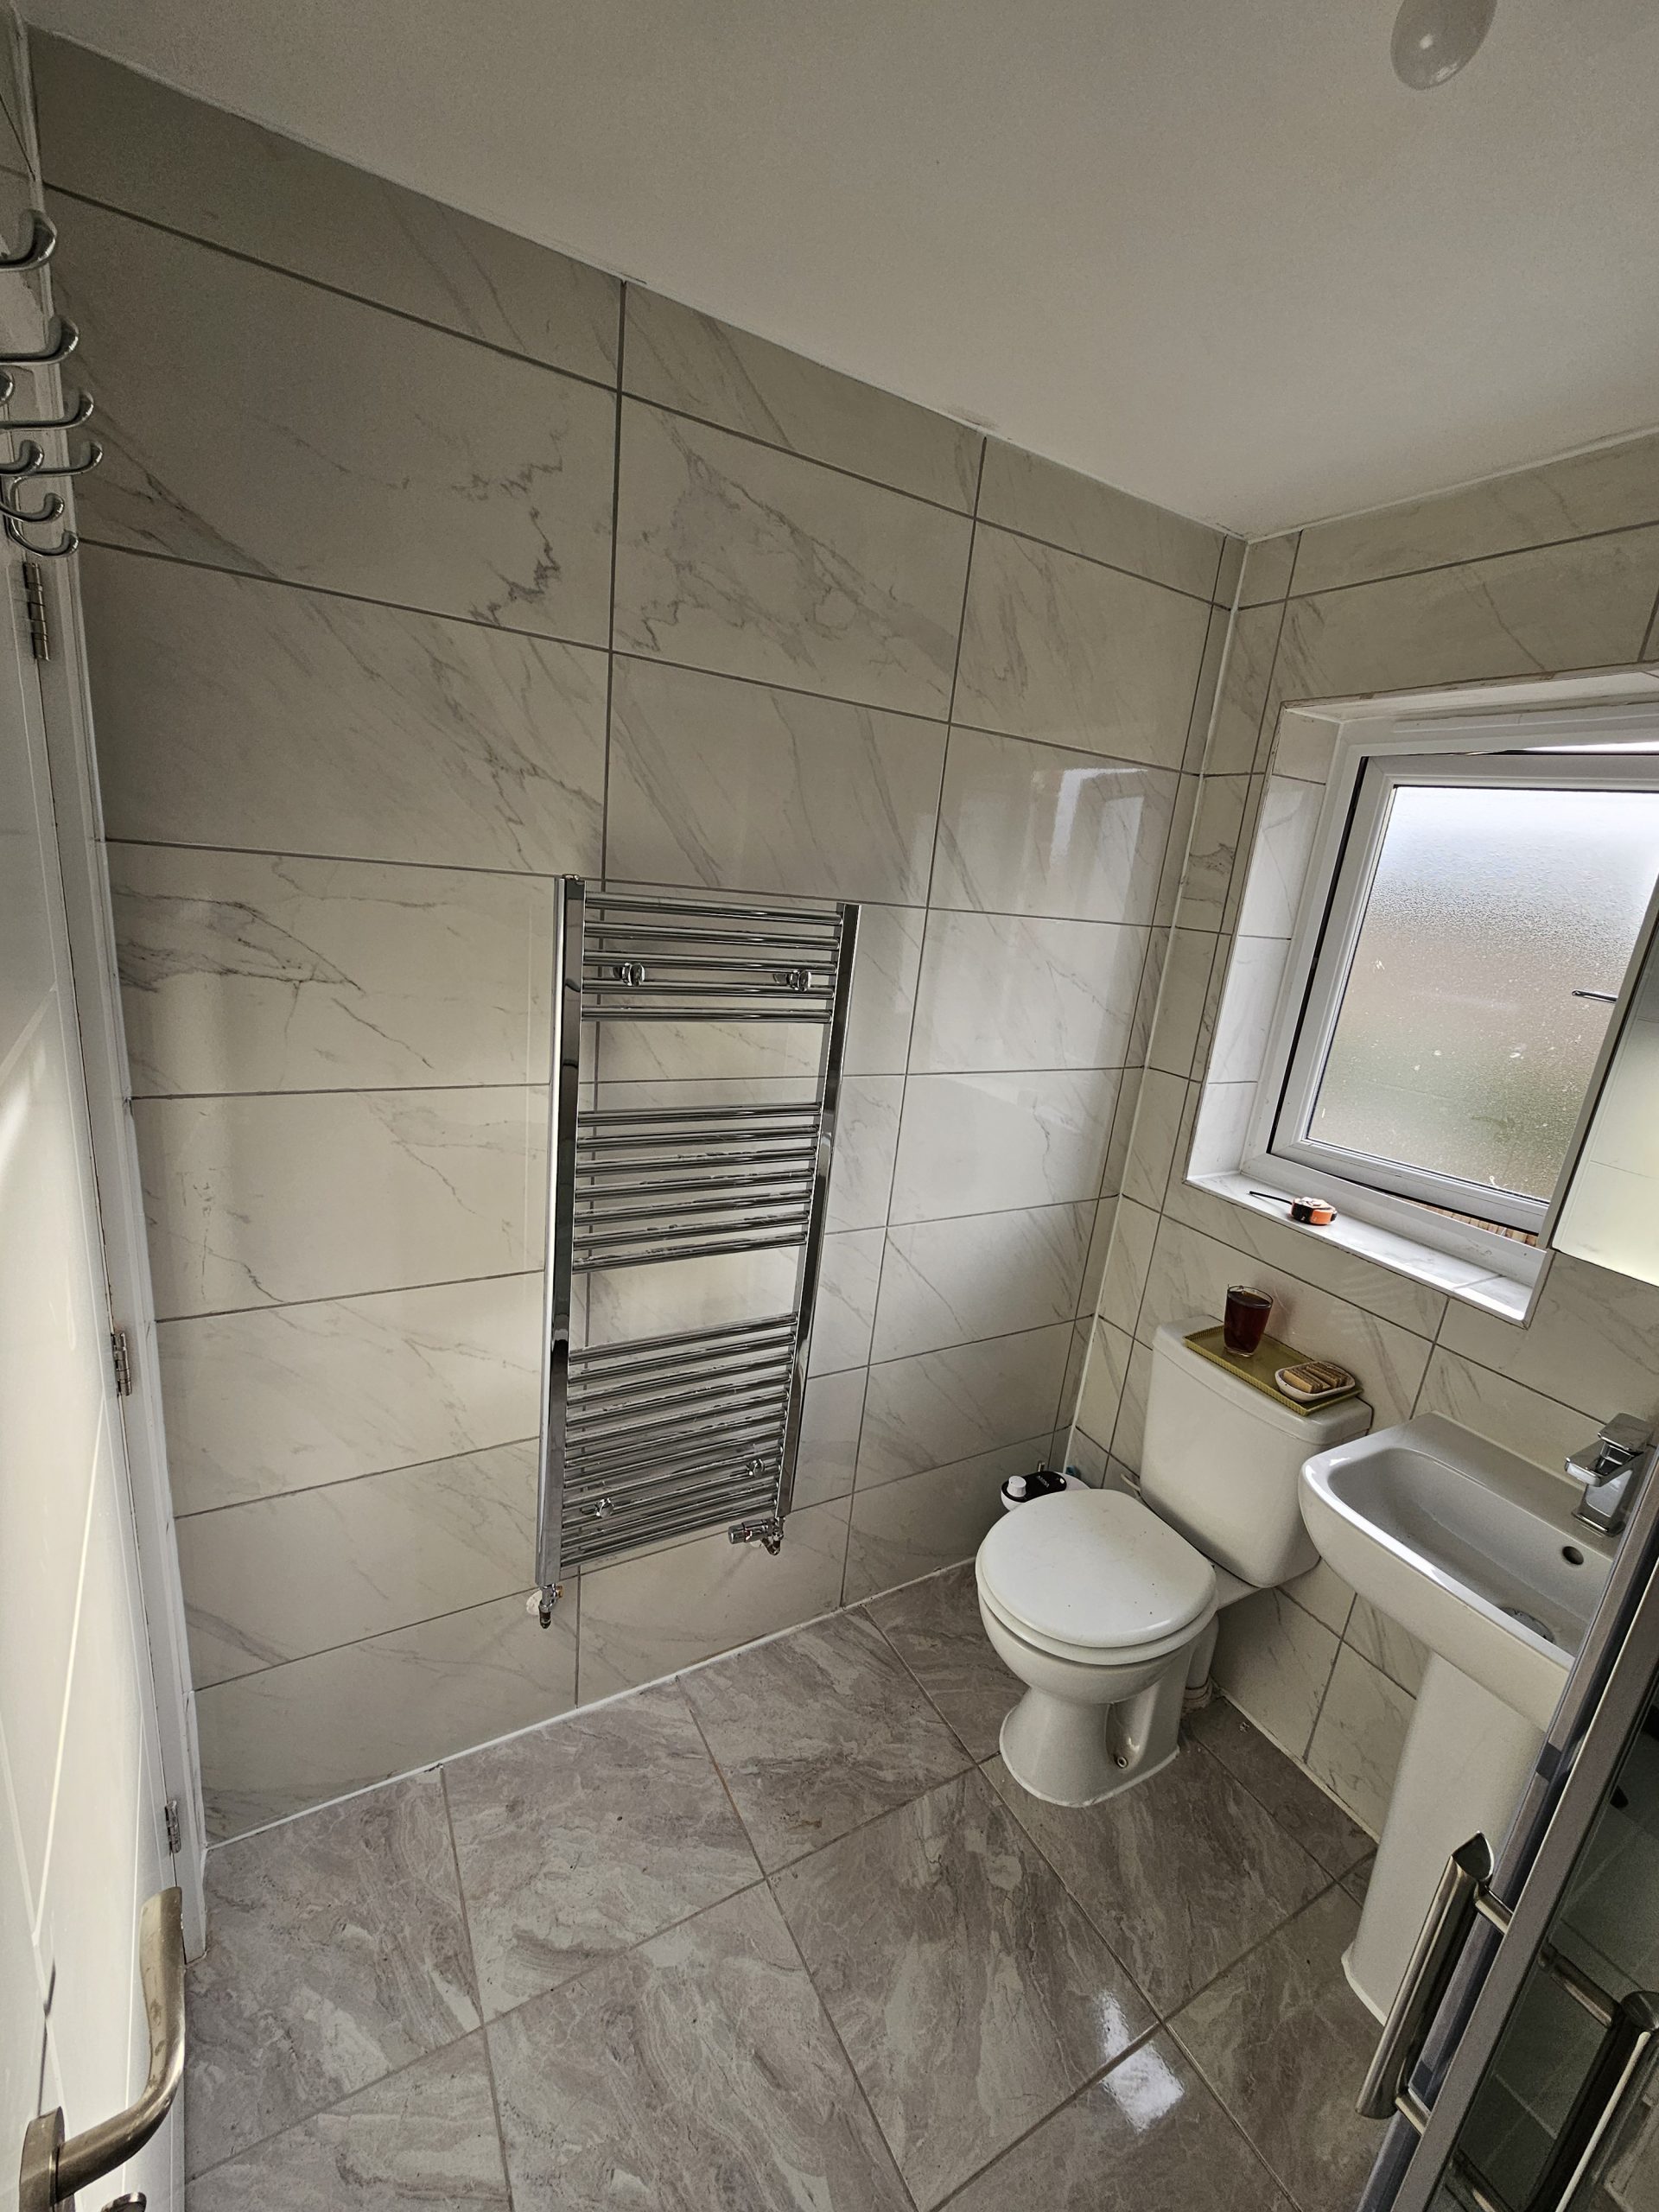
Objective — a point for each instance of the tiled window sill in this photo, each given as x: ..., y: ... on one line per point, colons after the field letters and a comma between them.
x: 1508, y: 1296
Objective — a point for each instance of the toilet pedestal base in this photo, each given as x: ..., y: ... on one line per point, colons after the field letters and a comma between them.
x: 1069, y: 1753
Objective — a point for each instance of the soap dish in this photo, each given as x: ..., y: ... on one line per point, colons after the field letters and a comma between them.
x: 1316, y: 1382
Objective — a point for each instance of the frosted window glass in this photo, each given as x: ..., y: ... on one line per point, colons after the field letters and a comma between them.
x: 1459, y: 1047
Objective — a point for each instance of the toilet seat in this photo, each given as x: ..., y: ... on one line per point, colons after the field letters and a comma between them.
x: 1087, y: 1574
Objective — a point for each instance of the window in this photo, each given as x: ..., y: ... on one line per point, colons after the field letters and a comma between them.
x: 1482, y: 916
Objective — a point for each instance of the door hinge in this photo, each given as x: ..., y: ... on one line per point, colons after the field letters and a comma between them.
x: 175, y: 1827
x: 40, y: 636
x: 121, y: 1357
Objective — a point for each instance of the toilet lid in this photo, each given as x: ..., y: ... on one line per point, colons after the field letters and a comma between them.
x: 1095, y: 1569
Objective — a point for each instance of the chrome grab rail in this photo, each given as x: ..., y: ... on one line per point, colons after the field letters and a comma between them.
x: 54, y: 2170
x: 1624, y: 2064
x: 1452, y: 1913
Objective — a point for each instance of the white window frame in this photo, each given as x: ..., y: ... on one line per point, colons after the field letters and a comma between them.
x: 1588, y: 746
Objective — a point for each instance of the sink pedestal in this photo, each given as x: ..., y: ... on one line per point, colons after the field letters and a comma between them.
x: 1465, y: 1764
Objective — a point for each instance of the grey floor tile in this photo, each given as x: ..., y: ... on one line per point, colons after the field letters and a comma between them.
x: 1295, y: 1799
x: 1357, y: 1880
x: 1284, y: 2043
x: 423, y: 2141
x: 817, y: 1732
x: 1180, y: 1873
x: 582, y: 1838
x: 936, y: 1629
x: 972, y: 1994
x: 1149, y: 2136
x: 337, y: 1953
x: 698, y: 2074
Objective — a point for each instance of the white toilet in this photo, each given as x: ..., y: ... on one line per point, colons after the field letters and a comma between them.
x: 1105, y: 1604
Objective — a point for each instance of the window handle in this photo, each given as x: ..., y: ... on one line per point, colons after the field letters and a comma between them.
x: 1607, y: 998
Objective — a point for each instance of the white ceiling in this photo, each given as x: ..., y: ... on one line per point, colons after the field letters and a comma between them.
x: 1209, y: 250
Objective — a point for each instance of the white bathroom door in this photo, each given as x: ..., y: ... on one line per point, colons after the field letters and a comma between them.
x: 85, y: 1834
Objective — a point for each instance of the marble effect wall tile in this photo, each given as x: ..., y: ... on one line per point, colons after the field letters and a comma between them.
x: 263, y: 1200
x: 1002, y: 991
x: 279, y: 442
x: 1060, y: 649
x: 245, y: 972
x: 1219, y: 1125
x: 1522, y: 1419
x: 1182, y: 991
x: 692, y: 362
x: 112, y: 136
x: 711, y: 1053
x: 660, y: 1611
x: 1387, y: 1645
x: 884, y: 972
x: 1070, y: 1383
x: 1256, y: 971
x: 1280, y: 857
x: 1160, y: 1103
x: 1272, y: 1661
x: 749, y: 562
x: 1348, y: 1276
x: 956, y: 1281
x: 1609, y: 488
x: 1243, y: 692
x: 233, y: 712
x: 269, y: 1401
x: 982, y: 1143
x: 675, y: 1294
x: 281, y: 1577
x: 742, y: 787
x: 1360, y: 1736
x: 1175, y: 852
x: 1190, y: 1275
x: 295, y: 1736
x: 1105, y: 1372
x: 1034, y: 829
x: 1576, y: 606
x: 867, y: 1139
x: 845, y: 1312
x: 1212, y: 851
x: 946, y: 1406
x: 1590, y: 1341
x: 1206, y: 690
x: 1268, y: 563
x: 901, y: 1530
x: 1129, y: 1437
x: 832, y: 1412
x: 1022, y: 491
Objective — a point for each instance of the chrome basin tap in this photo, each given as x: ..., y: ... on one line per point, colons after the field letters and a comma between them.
x: 1612, y: 1468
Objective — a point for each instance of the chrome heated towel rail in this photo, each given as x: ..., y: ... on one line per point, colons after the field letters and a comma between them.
x: 660, y: 1436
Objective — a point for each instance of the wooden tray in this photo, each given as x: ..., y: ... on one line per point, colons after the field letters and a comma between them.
x: 1259, y: 1367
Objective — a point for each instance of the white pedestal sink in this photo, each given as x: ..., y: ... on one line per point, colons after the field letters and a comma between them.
x: 1476, y: 1553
